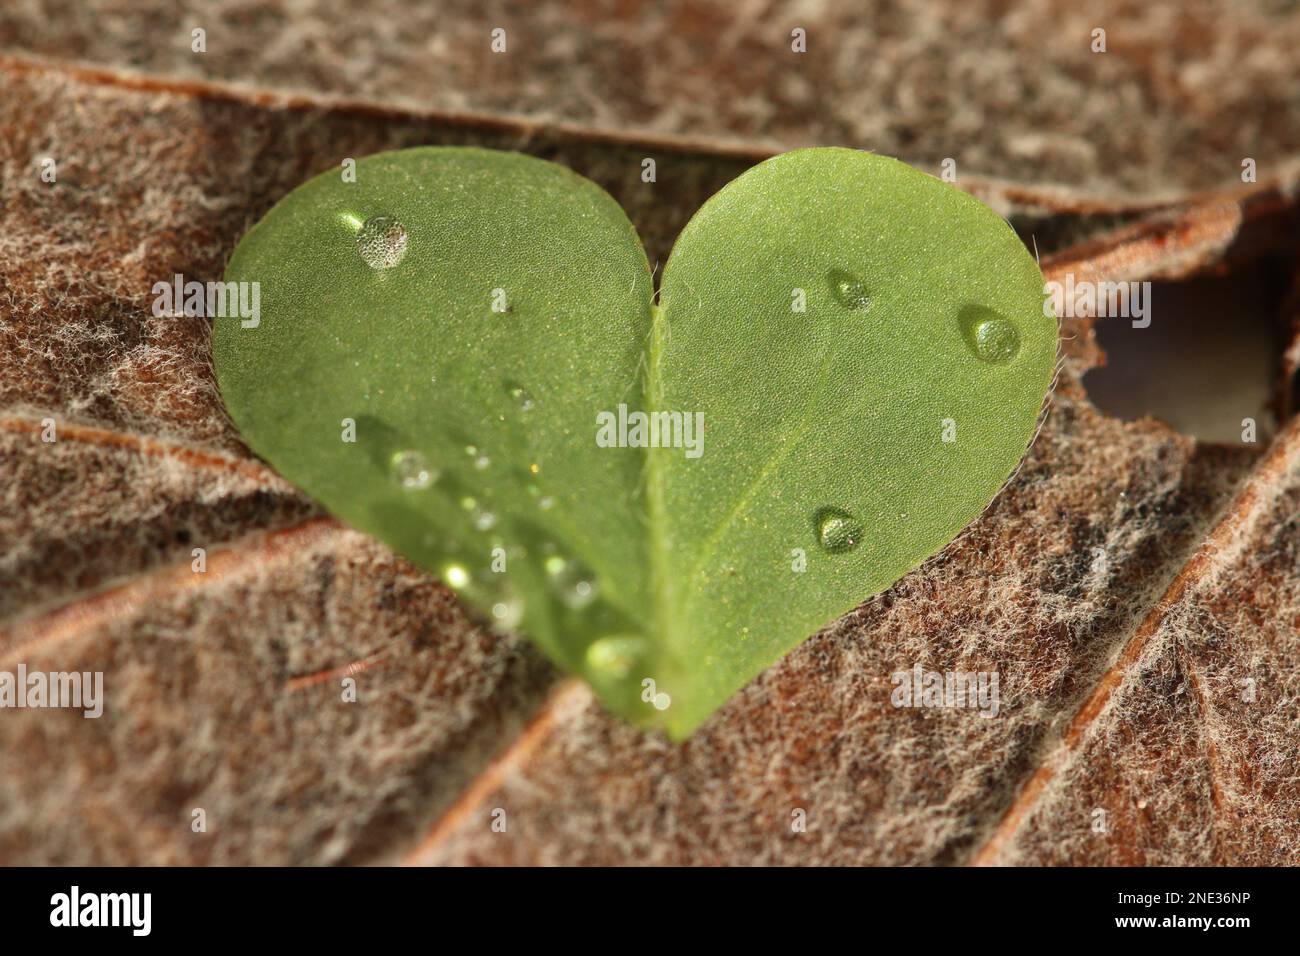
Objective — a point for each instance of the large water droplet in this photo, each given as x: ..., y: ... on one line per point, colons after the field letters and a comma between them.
x: 382, y: 242
x: 837, y: 531
x: 410, y: 470
x: 614, y: 657
x: 850, y: 290
x: 990, y: 336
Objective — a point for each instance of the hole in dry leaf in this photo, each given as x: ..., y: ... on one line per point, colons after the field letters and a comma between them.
x: 1207, y: 362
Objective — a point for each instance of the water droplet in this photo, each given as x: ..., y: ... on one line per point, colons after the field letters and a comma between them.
x: 544, y: 502
x: 523, y: 399
x: 662, y: 701
x: 455, y: 576
x: 850, y: 290
x: 990, y: 336
x: 382, y: 242
x: 508, y: 613
x: 481, y: 460
x: 469, y: 504
x: 571, y: 581
x: 484, y: 520
x: 614, y: 657
x: 837, y: 531
x: 411, y: 471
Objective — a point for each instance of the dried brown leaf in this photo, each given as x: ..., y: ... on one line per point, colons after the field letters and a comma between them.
x: 1120, y: 686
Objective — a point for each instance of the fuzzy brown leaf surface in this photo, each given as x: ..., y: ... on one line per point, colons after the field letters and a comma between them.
x: 1124, y: 683
x: 1015, y: 90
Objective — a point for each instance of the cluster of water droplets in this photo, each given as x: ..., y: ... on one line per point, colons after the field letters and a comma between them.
x: 411, y: 470
x: 570, y: 582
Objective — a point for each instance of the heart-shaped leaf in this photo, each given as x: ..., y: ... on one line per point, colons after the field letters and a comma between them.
x: 459, y: 352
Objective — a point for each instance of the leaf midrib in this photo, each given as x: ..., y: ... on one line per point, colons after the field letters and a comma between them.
x: 665, y: 608
x: 663, y: 598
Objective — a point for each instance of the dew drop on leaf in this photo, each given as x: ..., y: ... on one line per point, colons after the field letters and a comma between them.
x: 837, y: 531
x: 850, y: 290
x: 382, y: 242
x: 575, y: 585
x: 990, y: 336
x: 508, y: 613
x: 455, y: 577
x: 410, y: 470
x: 614, y: 657
x: 522, y: 397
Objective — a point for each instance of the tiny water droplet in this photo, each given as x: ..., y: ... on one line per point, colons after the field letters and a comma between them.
x: 410, y: 470
x: 546, y: 502
x: 382, y: 242
x: 614, y: 657
x: 481, y: 460
x: 455, y: 576
x: 522, y: 397
x: 850, y: 290
x: 484, y: 520
x: 571, y: 581
x: 837, y: 531
x: 469, y: 504
x: 990, y: 336
x: 508, y: 613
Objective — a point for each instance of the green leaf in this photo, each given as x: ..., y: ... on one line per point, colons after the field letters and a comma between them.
x: 866, y: 345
